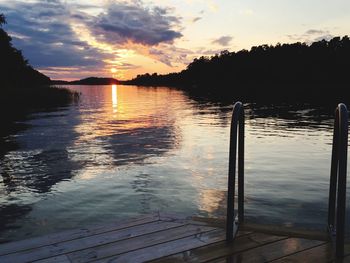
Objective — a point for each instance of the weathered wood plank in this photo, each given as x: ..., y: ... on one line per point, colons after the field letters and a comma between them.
x: 221, y: 249
x: 170, y: 238
x: 322, y: 253
x: 170, y: 247
x: 87, y: 242
x: 138, y: 243
x: 346, y: 252
x: 189, y: 220
x: 286, y: 231
x: 57, y: 259
x: 16, y: 246
x: 272, y: 251
x: 219, y: 222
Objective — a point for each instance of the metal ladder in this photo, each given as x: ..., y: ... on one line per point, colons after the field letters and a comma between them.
x: 337, y: 190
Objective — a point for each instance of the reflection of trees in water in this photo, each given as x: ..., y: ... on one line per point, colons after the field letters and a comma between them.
x: 296, y: 115
x: 41, y: 159
x: 40, y: 169
x: 36, y: 171
x: 284, y: 115
x: 10, y: 125
x: 38, y: 161
x: 49, y: 159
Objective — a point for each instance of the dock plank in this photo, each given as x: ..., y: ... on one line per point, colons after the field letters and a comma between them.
x: 286, y: 231
x: 166, y: 248
x: 137, y: 243
x: 272, y: 251
x: 322, y: 253
x: 57, y: 259
x: 221, y: 249
x: 165, y: 238
x: 87, y: 242
x: 36, y: 242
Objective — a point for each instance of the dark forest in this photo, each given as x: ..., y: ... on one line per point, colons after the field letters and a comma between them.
x: 285, y: 72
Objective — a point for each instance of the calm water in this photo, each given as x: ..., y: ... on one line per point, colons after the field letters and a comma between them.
x: 125, y: 151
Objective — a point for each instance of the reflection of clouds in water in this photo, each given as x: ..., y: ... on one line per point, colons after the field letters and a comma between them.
x: 213, y: 202
x: 127, y: 147
x: 42, y: 159
x: 136, y: 145
x: 131, y: 160
x: 129, y: 127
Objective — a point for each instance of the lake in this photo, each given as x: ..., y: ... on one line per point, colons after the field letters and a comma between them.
x: 123, y: 151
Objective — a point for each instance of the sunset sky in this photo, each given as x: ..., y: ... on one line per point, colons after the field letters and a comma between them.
x: 73, y: 39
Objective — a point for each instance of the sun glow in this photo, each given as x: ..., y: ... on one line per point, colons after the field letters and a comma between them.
x: 113, y: 70
x: 85, y: 35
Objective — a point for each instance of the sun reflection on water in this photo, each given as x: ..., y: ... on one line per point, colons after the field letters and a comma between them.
x: 114, y: 98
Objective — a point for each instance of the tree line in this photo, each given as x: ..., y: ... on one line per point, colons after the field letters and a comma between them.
x: 282, y: 71
x: 15, y: 70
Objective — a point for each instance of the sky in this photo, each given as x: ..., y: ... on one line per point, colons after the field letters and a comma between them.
x: 74, y: 39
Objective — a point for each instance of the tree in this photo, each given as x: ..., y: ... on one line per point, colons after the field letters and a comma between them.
x: 2, y: 20
x: 14, y: 68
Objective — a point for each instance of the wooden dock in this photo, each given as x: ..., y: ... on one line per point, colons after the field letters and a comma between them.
x: 164, y: 238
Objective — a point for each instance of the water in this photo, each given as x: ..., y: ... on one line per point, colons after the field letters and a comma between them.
x: 125, y: 151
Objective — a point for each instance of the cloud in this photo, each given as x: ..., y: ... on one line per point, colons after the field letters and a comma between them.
x: 311, y: 35
x: 42, y: 31
x: 207, y: 52
x: 67, y: 36
x: 319, y: 34
x: 194, y: 20
x: 323, y: 37
x: 132, y: 21
x: 169, y: 54
x: 315, y: 32
x: 222, y: 41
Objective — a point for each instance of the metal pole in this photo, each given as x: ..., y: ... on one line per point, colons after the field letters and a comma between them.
x: 241, y: 169
x: 337, y: 188
x: 237, y: 119
x: 334, y: 175
x: 342, y: 166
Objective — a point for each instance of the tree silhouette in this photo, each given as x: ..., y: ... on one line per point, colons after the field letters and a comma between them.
x: 14, y: 68
x: 284, y: 71
x: 2, y: 20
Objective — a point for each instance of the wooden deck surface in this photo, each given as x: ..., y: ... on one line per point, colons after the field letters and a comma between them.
x: 162, y: 238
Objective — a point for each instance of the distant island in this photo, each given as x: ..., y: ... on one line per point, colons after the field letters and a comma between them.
x: 87, y: 81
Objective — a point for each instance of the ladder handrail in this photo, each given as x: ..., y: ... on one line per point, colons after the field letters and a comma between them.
x: 232, y: 222
x: 337, y: 188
